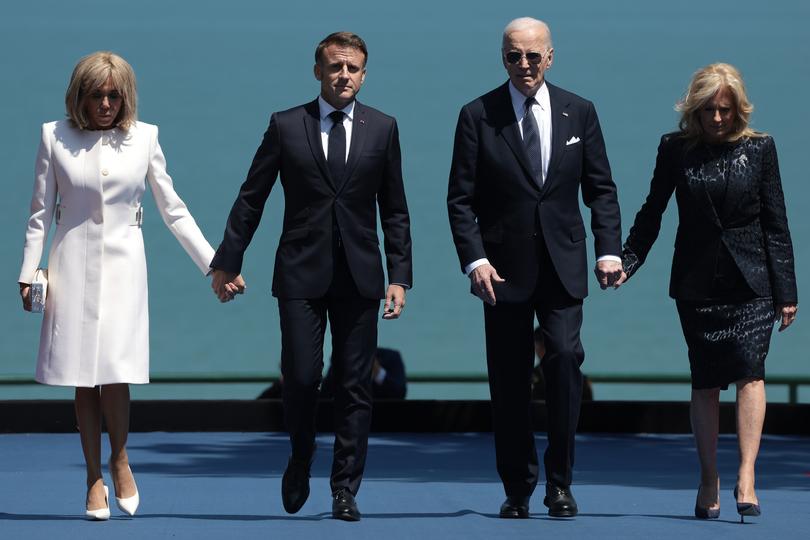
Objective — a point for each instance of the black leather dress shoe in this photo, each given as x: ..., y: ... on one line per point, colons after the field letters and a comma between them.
x: 295, y: 484
x: 515, y: 507
x: 560, y: 502
x: 344, y: 506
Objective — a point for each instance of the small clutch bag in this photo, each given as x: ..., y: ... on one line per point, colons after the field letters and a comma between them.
x: 39, y: 290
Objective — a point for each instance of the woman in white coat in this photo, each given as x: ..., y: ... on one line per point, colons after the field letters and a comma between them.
x: 90, y: 176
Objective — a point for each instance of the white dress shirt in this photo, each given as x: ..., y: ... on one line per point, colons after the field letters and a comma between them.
x: 541, y: 110
x: 327, y: 123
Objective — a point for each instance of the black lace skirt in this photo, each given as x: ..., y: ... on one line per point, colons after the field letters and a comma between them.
x: 727, y: 341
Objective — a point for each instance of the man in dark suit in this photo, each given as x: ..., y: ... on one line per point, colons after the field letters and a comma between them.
x: 338, y: 160
x: 522, y: 154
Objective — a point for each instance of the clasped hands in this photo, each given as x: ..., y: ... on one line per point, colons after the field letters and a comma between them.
x: 227, y: 285
x: 608, y: 273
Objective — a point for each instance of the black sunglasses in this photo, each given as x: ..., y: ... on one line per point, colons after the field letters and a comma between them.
x: 513, y: 57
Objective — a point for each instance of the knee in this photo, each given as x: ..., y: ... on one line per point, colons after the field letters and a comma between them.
x: 565, y: 358
x: 706, y: 394
x: 750, y: 385
x: 302, y: 379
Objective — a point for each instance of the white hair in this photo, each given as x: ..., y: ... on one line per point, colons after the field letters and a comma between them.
x: 527, y: 23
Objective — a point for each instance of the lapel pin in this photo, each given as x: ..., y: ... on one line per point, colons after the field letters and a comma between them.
x: 565, y: 114
x: 362, y: 121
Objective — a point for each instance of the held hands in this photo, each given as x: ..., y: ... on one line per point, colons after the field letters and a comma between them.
x: 786, y: 313
x: 25, y: 288
x: 227, y: 285
x: 394, y: 302
x: 609, y: 274
x: 482, y: 278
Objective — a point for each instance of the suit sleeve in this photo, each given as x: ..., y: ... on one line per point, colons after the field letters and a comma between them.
x: 461, y: 192
x: 394, y: 218
x: 173, y: 210
x: 647, y: 224
x: 246, y: 212
x: 773, y: 217
x: 43, y: 203
x: 598, y: 189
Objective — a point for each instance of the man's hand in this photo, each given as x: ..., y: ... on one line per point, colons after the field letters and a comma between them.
x: 394, y: 302
x: 26, y: 298
x: 609, y: 274
x: 482, y: 278
x: 787, y: 314
x: 227, y: 285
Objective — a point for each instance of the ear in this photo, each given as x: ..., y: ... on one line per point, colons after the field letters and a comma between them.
x: 549, y: 58
x: 317, y: 71
x: 363, y: 76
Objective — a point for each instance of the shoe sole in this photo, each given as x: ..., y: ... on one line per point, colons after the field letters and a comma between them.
x: 346, y: 517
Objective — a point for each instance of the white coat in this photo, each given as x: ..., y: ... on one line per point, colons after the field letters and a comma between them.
x: 95, y: 328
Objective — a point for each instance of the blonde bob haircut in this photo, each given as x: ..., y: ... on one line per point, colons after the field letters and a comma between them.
x: 706, y: 82
x: 90, y: 74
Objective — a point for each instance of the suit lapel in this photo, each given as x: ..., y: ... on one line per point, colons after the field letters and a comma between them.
x: 312, y: 125
x: 560, y: 129
x: 358, y: 140
x: 503, y: 116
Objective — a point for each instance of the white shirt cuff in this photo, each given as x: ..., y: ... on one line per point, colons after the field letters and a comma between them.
x: 475, y: 264
x: 380, y: 377
x: 613, y: 258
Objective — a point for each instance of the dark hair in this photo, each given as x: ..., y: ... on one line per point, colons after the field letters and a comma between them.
x: 342, y: 39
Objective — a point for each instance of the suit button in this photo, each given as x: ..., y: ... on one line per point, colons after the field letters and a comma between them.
x: 105, y: 172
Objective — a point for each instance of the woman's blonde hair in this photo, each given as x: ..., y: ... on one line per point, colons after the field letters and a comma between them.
x: 91, y: 73
x: 706, y: 82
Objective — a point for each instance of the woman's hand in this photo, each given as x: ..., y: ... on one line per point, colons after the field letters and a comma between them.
x: 25, y: 288
x: 787, y: 314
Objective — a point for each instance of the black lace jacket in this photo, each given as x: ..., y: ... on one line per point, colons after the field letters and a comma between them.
x: 748, y: 222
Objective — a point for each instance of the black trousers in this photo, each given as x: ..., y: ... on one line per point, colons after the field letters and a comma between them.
x: 510, y: 357
x: 353, y: 324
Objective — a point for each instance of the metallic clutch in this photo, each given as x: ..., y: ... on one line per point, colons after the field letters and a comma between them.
x: 39, y: 290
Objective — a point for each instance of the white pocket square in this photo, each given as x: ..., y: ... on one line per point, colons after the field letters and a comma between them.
x: 572, y: 140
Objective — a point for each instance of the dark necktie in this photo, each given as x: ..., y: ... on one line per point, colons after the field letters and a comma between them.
x: 531, y: 141
x: 336, y: 155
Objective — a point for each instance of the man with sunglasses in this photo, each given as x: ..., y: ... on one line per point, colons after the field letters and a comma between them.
x: 522, y: 154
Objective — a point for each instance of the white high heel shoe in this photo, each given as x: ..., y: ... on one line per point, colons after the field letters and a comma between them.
x: 101, y: 514
x: 130, y: 504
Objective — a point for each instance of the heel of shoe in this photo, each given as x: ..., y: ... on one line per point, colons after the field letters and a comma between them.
x: 100, y: 514
x: 746, y: 509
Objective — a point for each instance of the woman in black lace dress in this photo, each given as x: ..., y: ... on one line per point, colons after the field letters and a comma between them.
x: 732, y: 270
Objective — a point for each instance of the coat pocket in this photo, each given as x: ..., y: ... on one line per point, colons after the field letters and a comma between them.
x: 294, y: 234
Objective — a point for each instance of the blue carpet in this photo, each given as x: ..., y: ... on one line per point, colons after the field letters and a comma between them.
x: 226, y: 485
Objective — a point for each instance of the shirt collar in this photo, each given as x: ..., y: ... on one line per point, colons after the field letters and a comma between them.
x: 519, y: 100
x: 326, y: 109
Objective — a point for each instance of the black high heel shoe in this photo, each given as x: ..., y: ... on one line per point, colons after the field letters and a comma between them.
x: 705, y: 513
x: 746, y: 509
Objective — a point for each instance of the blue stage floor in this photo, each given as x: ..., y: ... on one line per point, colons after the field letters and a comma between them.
x: 425, y: 486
